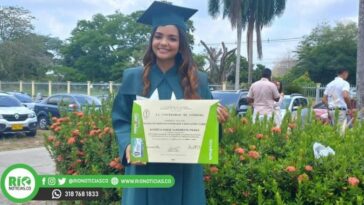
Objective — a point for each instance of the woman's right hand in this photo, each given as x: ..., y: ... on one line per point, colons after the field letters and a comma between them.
x: 127, y: 155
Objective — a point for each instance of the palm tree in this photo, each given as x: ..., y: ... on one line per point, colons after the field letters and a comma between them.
x: 233, y: 9
x: 260, y: 13
x: 252, y: 13
x: 360, y: 61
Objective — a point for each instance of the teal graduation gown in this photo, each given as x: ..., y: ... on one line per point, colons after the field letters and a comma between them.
x: 189, y: 186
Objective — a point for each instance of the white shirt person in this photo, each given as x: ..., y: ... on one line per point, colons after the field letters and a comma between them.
x: 337, y: 96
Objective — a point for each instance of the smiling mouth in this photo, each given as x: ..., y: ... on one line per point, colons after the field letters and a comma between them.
x: 163, y: 50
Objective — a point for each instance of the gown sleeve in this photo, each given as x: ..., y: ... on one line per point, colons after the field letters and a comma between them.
x: 121, y: 119
x: 122, y: 108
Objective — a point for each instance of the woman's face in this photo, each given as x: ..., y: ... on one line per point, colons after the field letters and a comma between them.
x: 165, y: 43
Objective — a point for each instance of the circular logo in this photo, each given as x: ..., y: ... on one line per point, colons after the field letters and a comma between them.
x: 18, y: 183
x: 114, y: 181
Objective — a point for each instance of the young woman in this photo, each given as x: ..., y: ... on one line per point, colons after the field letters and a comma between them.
x: 168, y: 67
x: 277, y: 105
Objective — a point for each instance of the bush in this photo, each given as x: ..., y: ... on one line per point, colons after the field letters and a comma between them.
x: 296, y: 85
x: 83, y: 143
x: 304, y: 80
x: 259, y: 164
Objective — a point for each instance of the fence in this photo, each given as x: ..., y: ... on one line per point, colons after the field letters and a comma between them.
x: 96, y: 89
x: 102, y: 89
x: 49, y: 88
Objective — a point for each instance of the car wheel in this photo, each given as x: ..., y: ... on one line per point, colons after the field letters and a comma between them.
x: 42, y: 122
x: 32, y: 133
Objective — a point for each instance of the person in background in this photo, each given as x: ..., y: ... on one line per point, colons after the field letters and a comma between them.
x: 337, y: 97
x: 277, y: 105
x: 263, y: 94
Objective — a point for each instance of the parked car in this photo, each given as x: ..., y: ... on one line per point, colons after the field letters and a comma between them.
x: 292, y: 103
x: 103, y: 97
x: 15, y: 118
x: 24, y: 98
x: 233, y: 99
x: 55, y: 104
x: 321, y: 112
x: 353, y: 93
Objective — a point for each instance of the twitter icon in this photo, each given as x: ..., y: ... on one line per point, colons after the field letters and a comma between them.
x: 61, y: 181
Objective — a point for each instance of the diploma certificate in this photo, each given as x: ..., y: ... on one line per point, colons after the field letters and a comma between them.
x: 175, y: 131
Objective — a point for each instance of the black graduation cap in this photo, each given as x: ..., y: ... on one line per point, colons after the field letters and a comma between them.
x: 161, y: 14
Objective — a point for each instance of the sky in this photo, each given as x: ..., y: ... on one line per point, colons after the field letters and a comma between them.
x: 57, y: 18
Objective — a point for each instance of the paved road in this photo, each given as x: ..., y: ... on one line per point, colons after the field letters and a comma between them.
x: 38, y: 158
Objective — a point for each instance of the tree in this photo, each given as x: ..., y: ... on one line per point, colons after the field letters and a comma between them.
x: 64, y: 73
x: 232, y: 9
x: 26, y: 57
x: 220, y: 63
x: 255, y: 14
x: 14, y: 22
x: 326, y: 50
x: 303, y: 80
x: 23, y: 54
x: 100, y: 49
x: 258, y: 72
x: 259, y: 13
x: 360, y: 57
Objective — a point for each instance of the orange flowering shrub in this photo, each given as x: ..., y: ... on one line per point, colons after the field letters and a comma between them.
x: 276, y: 130
x: 290, y: 169
x: 353, y: 181
x: 263, y: 164
x: 259, y: 136
x: 258, y: 163
x: 309, y: 168
x: 253, y: 154
x: 244, y: 121
x: 214, y: 169
x: 239, y: 150
x: 83, y: 143
x: 303, y: 178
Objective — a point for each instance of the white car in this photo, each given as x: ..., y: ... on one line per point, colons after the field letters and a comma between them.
x: 292, y: 103
x: 15, y: 118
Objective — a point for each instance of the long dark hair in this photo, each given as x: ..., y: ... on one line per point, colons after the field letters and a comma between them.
x: 280, y: 90
x: 187, y: 68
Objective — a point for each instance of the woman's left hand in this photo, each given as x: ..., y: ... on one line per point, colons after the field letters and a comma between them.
x: 222, y: 114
